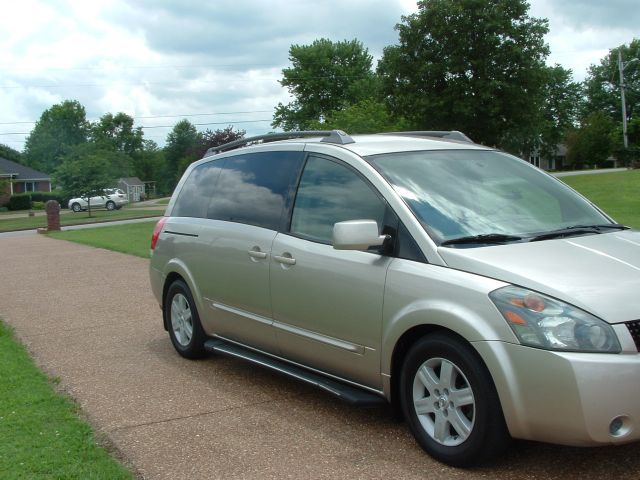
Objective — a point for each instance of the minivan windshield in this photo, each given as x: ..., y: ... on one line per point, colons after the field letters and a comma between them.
x: 461, y: 194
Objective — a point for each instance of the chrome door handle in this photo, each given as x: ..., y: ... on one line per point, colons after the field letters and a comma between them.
x: 287, y: 260
x: 257, y: 254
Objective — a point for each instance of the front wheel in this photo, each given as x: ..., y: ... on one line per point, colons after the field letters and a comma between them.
x: 450, y: 402
x: 76, y: 207
x: 183, y: 321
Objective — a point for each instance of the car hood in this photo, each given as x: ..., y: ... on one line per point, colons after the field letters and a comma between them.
x: 598, y: 273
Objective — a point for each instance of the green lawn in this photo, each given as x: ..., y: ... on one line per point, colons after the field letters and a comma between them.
x: 25, y: 223
x: 132, y: 238
x: 41, y: 436
x: 617, y: 193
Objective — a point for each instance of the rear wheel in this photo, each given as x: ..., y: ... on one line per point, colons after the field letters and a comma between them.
x: 450, y: 402
x: 183, y: 321
x: 111, y: 205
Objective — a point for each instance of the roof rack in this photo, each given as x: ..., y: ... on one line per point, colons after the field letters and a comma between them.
x: 329, y: 136
x: 444, y: 134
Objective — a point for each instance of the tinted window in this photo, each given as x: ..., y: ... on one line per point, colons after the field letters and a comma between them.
x: 254, y: 188
x: 197, y: 190
x: 328, y: 193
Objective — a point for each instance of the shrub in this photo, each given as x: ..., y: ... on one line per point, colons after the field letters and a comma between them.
x: 37, y: 205
x: 44, y: 197
x: 20, y: 201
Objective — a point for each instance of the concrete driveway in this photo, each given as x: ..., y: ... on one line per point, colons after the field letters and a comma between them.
x: 88, y: 317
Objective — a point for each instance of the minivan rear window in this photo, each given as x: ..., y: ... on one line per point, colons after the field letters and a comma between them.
x: 252, y: 188
x: 196, y: 193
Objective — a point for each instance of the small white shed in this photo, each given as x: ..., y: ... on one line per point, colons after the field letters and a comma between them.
x: 133, y: 187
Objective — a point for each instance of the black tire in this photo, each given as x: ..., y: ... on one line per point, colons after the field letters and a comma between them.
x: 189, y: 345
x: 110, y: 205
x: 76, y: 207
x: 471, y: 429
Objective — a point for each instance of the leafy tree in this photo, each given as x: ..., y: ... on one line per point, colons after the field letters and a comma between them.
x: 325, y: 77
x: 10, y: 154
x: 629, y: 156
x: 592, y: 143
x: 558, y: 114
x: 59, y: 128
x: 150, y: 166
x: 86, y: 171
x: 180, y: 150
x: 469, y: 65
x: 216, y: 138
x: 116, y: 132
x: 560, y: 110
x: 366, y: 116
x: 602, y: 86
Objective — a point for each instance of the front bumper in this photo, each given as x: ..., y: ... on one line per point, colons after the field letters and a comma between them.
x: 566, y: 398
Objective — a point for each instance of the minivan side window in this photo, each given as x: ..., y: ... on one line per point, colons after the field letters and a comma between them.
x: 254, y: 188
x: 196, y: 193
x: 330, y: 192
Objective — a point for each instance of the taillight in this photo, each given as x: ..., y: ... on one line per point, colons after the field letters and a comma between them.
x: 156, y: 232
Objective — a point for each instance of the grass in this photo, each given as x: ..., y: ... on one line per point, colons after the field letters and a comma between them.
x: 26, y: 222
x: 41, y: 436
x: 617, y: 193
x: 132, y: 238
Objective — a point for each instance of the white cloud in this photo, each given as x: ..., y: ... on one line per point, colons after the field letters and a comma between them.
x: 164, y: 57
x: 583, y: 31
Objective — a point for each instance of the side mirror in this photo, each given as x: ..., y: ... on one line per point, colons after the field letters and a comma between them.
x: 357, y: 235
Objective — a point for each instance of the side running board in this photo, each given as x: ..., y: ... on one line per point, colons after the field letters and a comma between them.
x: 345, y: 392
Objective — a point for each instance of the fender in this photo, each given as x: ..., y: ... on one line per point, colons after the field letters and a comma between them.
x: 177, y: 266
x: 428, y: 295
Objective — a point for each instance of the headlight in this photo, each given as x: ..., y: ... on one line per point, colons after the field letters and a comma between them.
x: 544, y: 322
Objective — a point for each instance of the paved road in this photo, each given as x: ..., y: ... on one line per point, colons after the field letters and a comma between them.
x: 217, y: 418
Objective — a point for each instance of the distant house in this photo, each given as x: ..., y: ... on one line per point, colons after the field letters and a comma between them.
x: 556, y: 162
x: 133, y: 187
x: 21, y: 179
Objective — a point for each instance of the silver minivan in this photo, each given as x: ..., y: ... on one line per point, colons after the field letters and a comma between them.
x: 483, y: 298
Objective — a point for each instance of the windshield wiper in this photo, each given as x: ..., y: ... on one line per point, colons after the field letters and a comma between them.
x: 577, y: 230
x: 486, y: 238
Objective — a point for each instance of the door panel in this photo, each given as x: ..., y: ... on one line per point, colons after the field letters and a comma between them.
x: 328, y: 307
x: 232, y: 269
x: 327, y: 304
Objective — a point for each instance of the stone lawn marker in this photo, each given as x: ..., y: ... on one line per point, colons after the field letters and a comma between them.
x: 53, y: 216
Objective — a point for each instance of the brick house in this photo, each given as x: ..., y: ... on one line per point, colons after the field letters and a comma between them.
x: 16, y: 178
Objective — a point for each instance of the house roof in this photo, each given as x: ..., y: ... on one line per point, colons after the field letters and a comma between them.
x: 20, y: 172
x: 131, y: 181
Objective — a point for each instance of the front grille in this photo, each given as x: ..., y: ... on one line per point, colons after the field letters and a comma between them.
x: 634, y: 330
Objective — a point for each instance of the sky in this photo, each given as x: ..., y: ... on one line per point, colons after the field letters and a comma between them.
x: 218, y: 62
